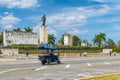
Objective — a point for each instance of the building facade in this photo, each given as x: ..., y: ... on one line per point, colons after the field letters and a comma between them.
x: 43, y: 35
x: 84, y: 44
x: 68, y: 40
x: 19, y: 38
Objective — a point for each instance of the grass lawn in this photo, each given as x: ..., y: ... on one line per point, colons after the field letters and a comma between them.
x: 106, y: 77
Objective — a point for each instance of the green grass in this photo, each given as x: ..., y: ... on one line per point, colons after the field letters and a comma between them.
x: 106, y: 77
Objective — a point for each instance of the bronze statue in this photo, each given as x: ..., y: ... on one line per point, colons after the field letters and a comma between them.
x: 43, y: 19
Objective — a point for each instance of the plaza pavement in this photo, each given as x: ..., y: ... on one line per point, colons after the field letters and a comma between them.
x: 34, y: 59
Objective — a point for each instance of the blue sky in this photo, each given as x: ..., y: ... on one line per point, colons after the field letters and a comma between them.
x: 83, y: 18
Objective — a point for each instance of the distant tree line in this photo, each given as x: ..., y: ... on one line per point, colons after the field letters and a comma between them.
x: 99, y: 39
x: 27, y: 29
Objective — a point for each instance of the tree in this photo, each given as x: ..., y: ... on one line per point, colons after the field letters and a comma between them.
x: 1, y: 38
x: 17, y: 30
x: 110, y: 43
x: 28, y: 29
x: 62, y: 40
x: 76, y: 40
x: 51, y: 39
x: 119, y: 43
x: 99, y: 39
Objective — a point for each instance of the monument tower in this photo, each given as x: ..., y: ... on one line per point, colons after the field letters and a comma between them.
x: 43, y: 31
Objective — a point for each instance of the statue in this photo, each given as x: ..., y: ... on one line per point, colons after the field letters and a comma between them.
x: 43, y: 19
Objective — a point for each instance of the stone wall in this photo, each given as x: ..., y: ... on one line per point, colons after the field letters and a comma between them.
x: 19, y: 38
x: 106, y: 50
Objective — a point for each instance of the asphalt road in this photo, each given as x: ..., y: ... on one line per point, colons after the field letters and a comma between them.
x: 74, y: 68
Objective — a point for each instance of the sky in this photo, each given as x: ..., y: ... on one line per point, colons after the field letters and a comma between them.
x: 83, y: 18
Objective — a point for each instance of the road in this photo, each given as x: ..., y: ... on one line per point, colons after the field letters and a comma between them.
x: 74, y: 68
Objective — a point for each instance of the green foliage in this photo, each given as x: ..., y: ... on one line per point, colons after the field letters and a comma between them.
x: 76, y: 40
x: 51, y: 39
x: 17, y: 30
x: 25, y: 47
x: 116, y: 50
x: 77, y: 48
x: 99, y: 39
x: 31, y: 52
x: 118, y: 43
x: 28, y: 29
x: 110, y: 43
x: 1, y: 38
x: 62, y: 40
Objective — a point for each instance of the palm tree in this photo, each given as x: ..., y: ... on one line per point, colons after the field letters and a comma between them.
x: 99, y: 39
x: 51, y: 39
x: 17, y: 30
x: 28, y: 29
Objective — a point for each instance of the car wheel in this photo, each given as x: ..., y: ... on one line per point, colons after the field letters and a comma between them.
x: 43, y: 62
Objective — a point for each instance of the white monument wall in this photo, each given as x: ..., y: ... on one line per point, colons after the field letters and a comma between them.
x: 18, y: 38
x: 67, y: 40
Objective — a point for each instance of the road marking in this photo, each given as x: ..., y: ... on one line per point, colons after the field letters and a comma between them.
x: 106, y: 62
x: 27, y: 78
x: 41, y: 68
x: 89, y: 64
x: 76, y: 79
x: 67, y: 66
x: 8, y: 70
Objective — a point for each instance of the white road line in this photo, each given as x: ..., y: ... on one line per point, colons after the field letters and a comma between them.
x: 27, y: 78
x: 89, y: 64
x: 106, y: 62
x: 67, y: 66
x: 76, y: 79
x: 8, y: 70
x: 41, y: 68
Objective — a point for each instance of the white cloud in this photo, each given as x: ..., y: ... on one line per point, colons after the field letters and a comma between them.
x: 7, y: 13
x: 116, y: 27
x: 71, y: 18
x: 18, y: 3
x: 113, y: 4
x: 76, y: 17
x: 77, y: 32
x: 66, y: 21
x: 8, y: 26
x: 8, y: 19
x: 100, y: 1
x: 52, y: 31
x: 36, y: 28
x: 93, y: 11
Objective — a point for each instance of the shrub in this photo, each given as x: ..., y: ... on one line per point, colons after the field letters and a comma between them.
x: 25, y: 47
x: 116, y: 50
